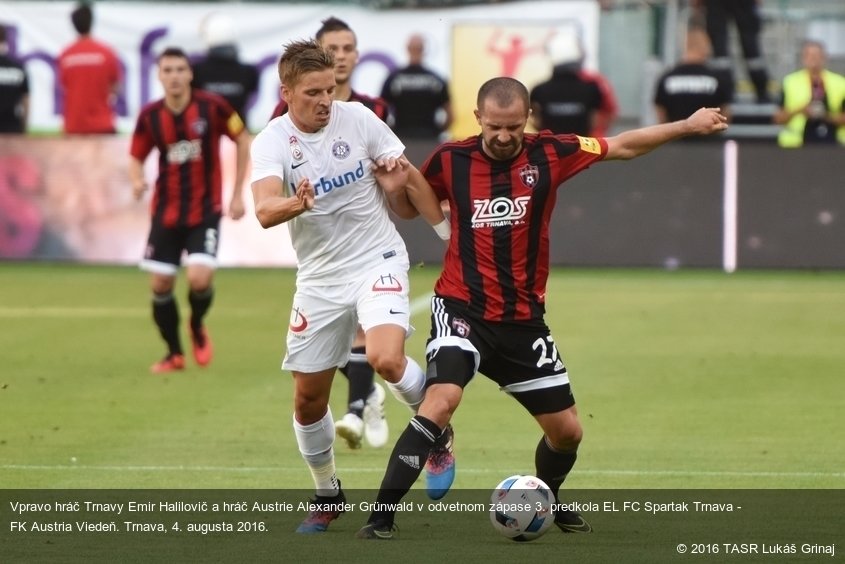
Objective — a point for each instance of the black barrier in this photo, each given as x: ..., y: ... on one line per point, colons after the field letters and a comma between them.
x: 258, y: 526
x: 661, y: 210
x: 791, y: 207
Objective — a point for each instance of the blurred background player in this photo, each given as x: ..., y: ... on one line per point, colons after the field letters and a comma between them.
x: 221, y: 71
x: 418, y: 97
x: 748, y: 26
x: 90, y: 75
x: 14, y: 90
x: 573, y: 100
x: 812, y: 103
x: 185, y: 126
x: 691, y: 84
x: 364, y: 417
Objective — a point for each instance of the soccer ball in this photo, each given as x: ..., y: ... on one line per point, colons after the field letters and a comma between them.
x: 522, y: 508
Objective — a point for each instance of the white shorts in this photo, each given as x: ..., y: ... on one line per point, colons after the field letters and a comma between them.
x: 324, y: 319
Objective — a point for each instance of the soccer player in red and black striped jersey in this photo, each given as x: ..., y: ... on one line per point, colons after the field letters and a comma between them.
x: 185, y: 126
x: 364, y: 417
x: 488, y: 309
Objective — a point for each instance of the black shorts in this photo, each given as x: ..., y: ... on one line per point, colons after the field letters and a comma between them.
x: 165, y: 246
x: 521, y: 358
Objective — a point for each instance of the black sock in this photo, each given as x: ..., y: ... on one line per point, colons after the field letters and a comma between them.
x: 166, y: 317
x: 405, y: 464
x: 360, y: 375
x: 200, y: 302
x: 553, y: 465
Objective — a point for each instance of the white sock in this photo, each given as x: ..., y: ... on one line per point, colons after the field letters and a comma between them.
x: 411, y: 388
x: 315, y: 444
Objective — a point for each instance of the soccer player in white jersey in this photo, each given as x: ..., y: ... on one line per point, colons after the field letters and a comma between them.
x: 330, y: 170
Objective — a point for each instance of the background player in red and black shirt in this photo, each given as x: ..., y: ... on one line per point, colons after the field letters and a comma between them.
x: 376, y: 105
x: 364, y: 417
x: 487, y: 313
x: 337, y: 37
x: 185, y: 126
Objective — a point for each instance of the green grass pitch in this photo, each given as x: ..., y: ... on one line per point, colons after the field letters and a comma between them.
x: 684, y: 380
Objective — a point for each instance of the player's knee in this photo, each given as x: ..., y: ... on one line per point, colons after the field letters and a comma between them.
x: 309, y: 409
x: 199, y: 283
x: 162, y: 285
x: 391, y: 366
x: 566, y: 437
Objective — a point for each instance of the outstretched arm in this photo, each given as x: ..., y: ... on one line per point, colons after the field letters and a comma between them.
x: 636, y: 142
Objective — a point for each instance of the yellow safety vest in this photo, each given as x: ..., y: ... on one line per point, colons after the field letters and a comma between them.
x: 797, y: 93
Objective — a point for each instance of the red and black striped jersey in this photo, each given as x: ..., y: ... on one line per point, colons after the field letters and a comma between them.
x: 189, y: 187
x: 497, y: 261
x: 377, y: 105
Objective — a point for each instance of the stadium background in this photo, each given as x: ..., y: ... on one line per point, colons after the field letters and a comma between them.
x: 67, y: 201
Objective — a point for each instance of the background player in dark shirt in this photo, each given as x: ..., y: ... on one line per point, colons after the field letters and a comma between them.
x: 573, y: 100
x: 185, y: 126
x: 418, y: 97
x: 221, y: 72
x: 691, y: 84
x: 14, y: 90
x: 488, y: 309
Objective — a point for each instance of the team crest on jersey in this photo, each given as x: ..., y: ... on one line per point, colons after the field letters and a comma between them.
x: 460, y: 327
x: 295, y: 149
x: 341, y: 149
x: 298, y: 322
x: 387, y: 283
x: 529, y: 174
x: 200, y: 126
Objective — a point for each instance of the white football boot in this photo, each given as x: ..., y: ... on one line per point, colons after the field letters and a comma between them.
x: 375, y: 424
x: 351, y: 429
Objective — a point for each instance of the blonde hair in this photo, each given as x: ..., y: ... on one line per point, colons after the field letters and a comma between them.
x: 301, y: 57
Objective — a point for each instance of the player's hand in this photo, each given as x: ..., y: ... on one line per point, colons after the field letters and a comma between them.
x: 387, y: 164
x: 236, y: 208
x: 706, y: 121
x: 138, y: 190
x: 392, y: 173
x: 305, y: 194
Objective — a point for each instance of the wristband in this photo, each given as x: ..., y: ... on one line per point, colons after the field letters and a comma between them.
x: 443, y: 229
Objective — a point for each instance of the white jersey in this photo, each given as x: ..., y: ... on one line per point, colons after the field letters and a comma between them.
x: 349, y: 230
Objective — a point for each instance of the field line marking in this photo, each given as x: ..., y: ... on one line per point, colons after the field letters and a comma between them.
x: 379, y: 470
x: 8, y: 312
x: 421, y: 304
